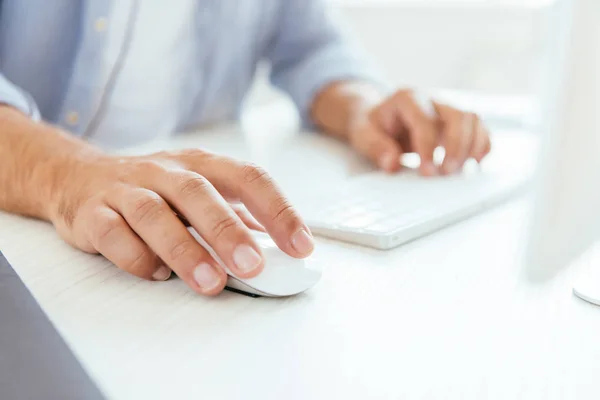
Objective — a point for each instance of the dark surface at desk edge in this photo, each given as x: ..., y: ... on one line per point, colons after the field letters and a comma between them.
x: 35, y: 362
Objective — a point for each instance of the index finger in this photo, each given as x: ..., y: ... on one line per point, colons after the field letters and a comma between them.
x: 263, y: 198
x: 422, y: 129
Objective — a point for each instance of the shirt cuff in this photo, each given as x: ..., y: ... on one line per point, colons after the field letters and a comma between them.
x: 331, y: 64
x: 14, y: 97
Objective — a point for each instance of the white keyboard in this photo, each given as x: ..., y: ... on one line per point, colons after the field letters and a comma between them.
x: 384, y: 211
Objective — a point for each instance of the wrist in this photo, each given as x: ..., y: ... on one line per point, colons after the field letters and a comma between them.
x: 35, y: 162
x: 67, y: 175
x: 342, y: 106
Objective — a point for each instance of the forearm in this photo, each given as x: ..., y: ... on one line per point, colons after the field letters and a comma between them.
x: 35, y: 160
x: 337, y: 106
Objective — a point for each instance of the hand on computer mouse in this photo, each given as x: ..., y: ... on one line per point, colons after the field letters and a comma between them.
x: 400, y: 124
x: 130, y: 209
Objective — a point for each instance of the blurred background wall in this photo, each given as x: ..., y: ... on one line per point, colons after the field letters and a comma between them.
x: 488, y: 46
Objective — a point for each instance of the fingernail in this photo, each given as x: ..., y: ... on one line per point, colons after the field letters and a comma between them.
x: 246, y: 258
x: 387, y: 161
x: 429, y: 169
x: 206, y: 276
x: 162, y: 274
x: 302, y: 242
x: 451, y: 166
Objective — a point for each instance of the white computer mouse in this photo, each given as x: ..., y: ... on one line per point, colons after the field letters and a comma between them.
x: 283, y: 275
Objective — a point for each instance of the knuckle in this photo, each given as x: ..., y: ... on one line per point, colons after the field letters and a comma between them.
x: 461, y: 120
x: 453, y: 116
x: 470, y: 121
x: 71, y: 208
x: 193, y: 185
x: 187, y: 158
x: 194, y: 153
x: 283, y: 212
x: 132, y: 170
x: 142, y: 265
x: 148, y: 165
x: 106, y: 226
x: 224, y: 226
x: 404, y: 94
x: 488, y: 146
x: 252, y: 173
x: 425, y: 122
x: 182, y: 249
x: 147, y: 206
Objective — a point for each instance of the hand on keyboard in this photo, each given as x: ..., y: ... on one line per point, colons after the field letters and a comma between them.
x: 400, y: 124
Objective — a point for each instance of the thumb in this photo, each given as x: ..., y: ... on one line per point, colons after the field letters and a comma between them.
x: 380, y: 148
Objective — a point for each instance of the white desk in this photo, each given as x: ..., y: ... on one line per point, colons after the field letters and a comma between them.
x: 443, y: 317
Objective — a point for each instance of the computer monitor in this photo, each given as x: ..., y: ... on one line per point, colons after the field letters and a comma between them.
x: 566, y: 215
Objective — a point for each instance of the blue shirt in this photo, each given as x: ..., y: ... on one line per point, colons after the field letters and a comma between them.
x: 61, y: 60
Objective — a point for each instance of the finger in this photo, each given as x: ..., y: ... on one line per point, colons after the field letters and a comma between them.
x: 380, y: 148
x: 157, y: 225
x: 247, y: 218
x: 113, y: 238
x: 457, y: 137
x: 263, y: 198
x: 481, y: 141
x: 422, y: 129
x: 212, y: 217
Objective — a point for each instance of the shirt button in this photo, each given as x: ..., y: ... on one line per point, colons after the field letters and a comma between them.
x: 100, y: 24
x: 72, y: 118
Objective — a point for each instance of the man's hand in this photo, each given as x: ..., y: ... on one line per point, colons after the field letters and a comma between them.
x: 401, y: 125
x: 131, y: 211
x: 384, y: 129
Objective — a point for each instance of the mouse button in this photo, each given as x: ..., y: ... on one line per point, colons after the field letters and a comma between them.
x: 276, y: 257
x: 264, y: 241
x: 284, y: 276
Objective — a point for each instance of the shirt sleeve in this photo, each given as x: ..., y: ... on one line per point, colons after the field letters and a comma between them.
x: 17, y: 98
x: 309, y: 51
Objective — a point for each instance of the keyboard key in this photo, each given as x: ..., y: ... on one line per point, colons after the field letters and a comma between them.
x: 362, y: 220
